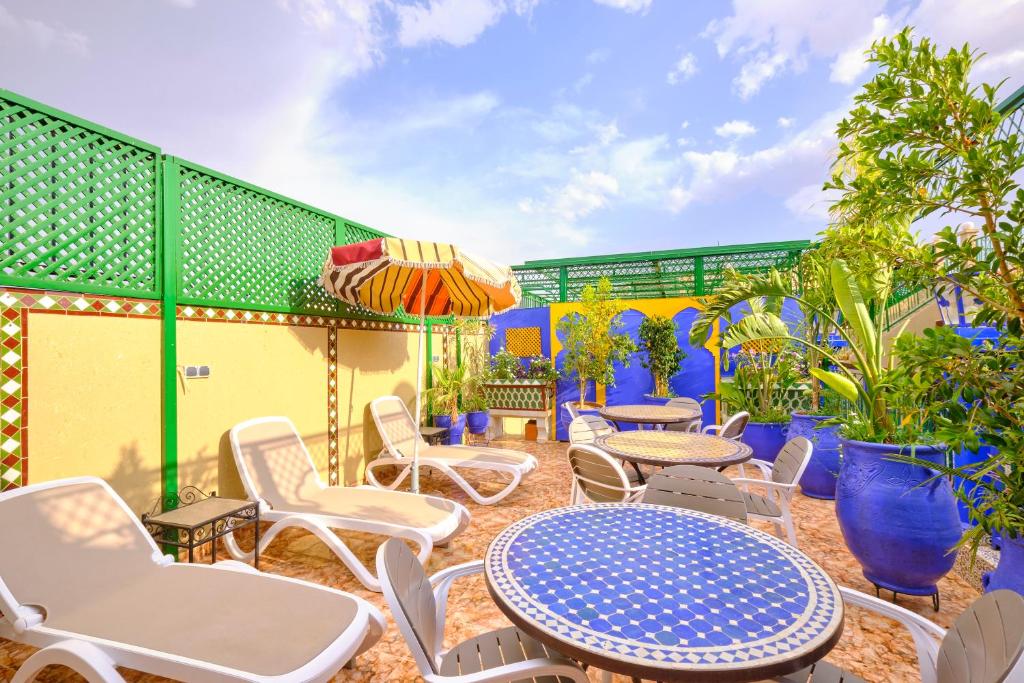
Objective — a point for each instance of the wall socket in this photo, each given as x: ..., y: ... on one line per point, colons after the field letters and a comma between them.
x: 196, y: 371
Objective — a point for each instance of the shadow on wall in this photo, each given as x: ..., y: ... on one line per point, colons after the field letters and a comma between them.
x: 133, y: 481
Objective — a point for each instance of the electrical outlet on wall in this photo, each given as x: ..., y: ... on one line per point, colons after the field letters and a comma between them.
x: 196, y: 371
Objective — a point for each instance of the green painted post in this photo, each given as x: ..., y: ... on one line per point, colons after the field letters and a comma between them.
x: 430, y: 355
x: 169, y: 234
x: 698, y: 276
x: 563, y: 284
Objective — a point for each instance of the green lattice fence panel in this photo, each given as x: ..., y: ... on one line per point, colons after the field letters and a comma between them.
x: 78, y: 203
x: 360, y: 233
x: 244, y: 247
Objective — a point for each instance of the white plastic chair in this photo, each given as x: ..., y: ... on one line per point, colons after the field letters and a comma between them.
x: 399, y: 433
x: 82, y: 579
x: 732, y: 429
x: 570, y: 407
x: 685, y: 402
x: 277, y: 470
x: 780, y: 482
x: 985, y: 643
x: 588, y: 428
x: 599, y: 478
x: 419, y: 603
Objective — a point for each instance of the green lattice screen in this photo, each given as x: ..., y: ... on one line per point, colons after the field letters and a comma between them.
x: 243, y: 247
x: 360, y: 233
x: 78, y: 203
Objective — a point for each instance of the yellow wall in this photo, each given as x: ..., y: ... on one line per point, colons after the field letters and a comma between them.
x: 255, y: 371
x: 94, y: 402
x: 665, y: 307
x: 370, y: 365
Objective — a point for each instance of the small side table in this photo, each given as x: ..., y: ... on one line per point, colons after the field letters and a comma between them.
x: 196, y: 518
x: 434, y: 435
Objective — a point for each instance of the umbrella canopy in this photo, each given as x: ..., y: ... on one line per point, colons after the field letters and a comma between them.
x: 384, y: 274
x: 423, y: 278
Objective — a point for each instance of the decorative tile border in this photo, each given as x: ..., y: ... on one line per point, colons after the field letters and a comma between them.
x: 16, y: 304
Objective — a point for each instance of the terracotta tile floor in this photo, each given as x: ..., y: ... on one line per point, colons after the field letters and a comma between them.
x: 874, y: 648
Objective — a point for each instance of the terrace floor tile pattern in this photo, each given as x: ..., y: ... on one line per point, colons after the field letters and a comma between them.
x: 873, y: 647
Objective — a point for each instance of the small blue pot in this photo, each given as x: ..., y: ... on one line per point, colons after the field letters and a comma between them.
x: 454, y: 431
x: 1009, y: 573
x: 766, y: 439
x: 899, y: 528
x: 477, y: 421
x: 819, y: 479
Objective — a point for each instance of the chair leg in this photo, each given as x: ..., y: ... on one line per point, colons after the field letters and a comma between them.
x: 787, y: 521
x: 393, y: 463
x: 460, y: 481
x: 84, y: 659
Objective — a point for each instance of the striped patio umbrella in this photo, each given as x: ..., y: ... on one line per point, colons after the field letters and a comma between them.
x: 422, y: 278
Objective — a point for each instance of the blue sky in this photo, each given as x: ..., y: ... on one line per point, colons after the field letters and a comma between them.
x: 517, y: 128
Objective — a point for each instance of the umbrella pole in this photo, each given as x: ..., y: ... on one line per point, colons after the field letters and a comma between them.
x: 419, y: 384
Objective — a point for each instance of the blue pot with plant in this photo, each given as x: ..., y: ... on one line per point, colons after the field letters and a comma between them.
x: 1009, y: 573
x: 660, y: 353
x: 455, y: 429
x: 449, y: 384
x: 819, y: 479
x: 477, y: 421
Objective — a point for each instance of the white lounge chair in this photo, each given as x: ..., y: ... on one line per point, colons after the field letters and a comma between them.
x: 399, y: 432
x: 780, y: 482
x: 277, y: 470
x: 418, y: 604
x: 82, y: 579
x: 985, y: 644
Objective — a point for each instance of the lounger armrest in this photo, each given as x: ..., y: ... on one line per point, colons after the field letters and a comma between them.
x: 927, y: 634
x: 442, y: 582
x: 530, y: 669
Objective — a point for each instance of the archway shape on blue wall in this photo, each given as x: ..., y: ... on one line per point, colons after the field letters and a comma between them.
x: 698, y: 368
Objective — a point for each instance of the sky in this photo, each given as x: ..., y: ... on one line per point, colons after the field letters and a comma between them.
x: 518, y: 129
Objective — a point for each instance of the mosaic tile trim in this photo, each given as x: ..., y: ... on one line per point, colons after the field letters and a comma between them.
x: 232, y: 315
x: 15, y: 306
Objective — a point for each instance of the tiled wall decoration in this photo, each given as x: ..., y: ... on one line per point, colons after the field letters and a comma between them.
x: 16, y: 305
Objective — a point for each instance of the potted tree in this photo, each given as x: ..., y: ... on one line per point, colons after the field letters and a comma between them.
x: 592, y: 339
x: 661, y: 355
x: 928, y: 141
x: 444, y: 396
x: 475, y: 336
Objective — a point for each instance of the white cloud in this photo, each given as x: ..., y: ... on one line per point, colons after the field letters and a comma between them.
x: 852, y: 62
x: 810, y: 202
x: 684, y: 125
x: 683, y: 70
x: 735, y: 129
x: 785, y: 122
x: 771, y: 37
x: 582, y: 82
x: 598, y: 56
x: 631, y: 6
x: 41, y: 35
x: 584, y: 193
x: 684, y: 142
x: 456, y: 22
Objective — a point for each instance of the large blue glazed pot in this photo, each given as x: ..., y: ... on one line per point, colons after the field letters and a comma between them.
x: 454, y: 431
x: 900, y: 529
x: 1009, y: 573
x: 819, y: 479
x: 652, y: 400
x: 766, y: 439
x: 477, y: 421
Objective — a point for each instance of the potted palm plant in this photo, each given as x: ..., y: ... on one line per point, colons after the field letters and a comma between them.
x: 661, y: 355
x: 449, y: 383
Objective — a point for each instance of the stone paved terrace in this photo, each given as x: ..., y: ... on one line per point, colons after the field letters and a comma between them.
x: 872, y: 647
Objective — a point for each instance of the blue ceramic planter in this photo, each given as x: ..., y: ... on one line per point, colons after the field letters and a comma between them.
x: 819, y: 479
x: 656, y: 400
x: 899, y: 528
x: 477, y: 421
x: 1009, y: 573
x: 454, y: 431
x: 766, y: 439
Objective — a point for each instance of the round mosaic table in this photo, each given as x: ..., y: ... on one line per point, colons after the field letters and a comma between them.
x: 664, y: 449
x: 664, y: 593
x: 649, y: 415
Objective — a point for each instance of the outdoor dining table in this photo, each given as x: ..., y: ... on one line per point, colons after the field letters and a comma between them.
x: 663, y: 449
x: 649, y: 415
x: 664, y: 593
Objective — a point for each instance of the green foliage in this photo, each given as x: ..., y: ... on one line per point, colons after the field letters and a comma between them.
x: 761, y: 383
x: 449, y: 385
x: 506, y: 366
x: 542, y: 369
x: 593, y: 340
x: 662, y: 354
x: 975, y: 396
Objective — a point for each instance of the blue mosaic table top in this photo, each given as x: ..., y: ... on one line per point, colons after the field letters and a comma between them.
x: 662, y: 589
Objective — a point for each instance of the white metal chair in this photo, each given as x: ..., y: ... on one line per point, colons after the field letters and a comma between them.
x: 81, y: 578
x: 684, y: 402
x: 984, y: 645
x: 419, y: 603
x: 599, y: 478
x: 780, y: 482
x: 399, y: 433
x: 277, y: 470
